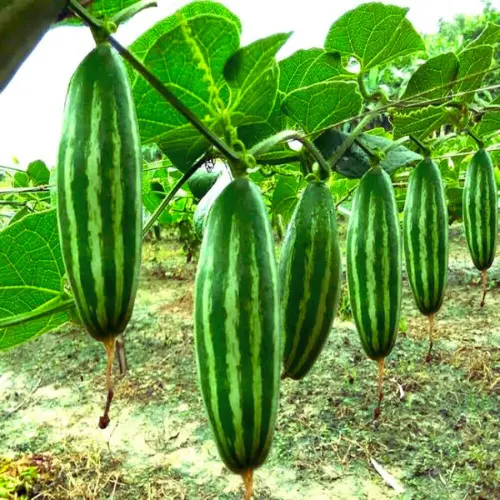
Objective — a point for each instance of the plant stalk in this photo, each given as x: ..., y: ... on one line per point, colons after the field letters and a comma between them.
x: 431, y: 318
x: 381, y: 366
x: 484, y: 280
x: 35, y: 189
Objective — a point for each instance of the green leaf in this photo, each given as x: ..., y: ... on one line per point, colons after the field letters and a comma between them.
x: 252, y: 74
x: 154, y: 186
x: 455, y: 197
x: 20, y: 214
x: 489, y: 124
x: 38, y: 173
x: 355, y: 162
x: 187, y: 52
x: 256, y: 132
x: 440, y: 71
x: 421, y: 122
x: 472, y: 61
x: 340, y: 186
x: 285, y: 196
x: 32, y: 272
x: 183, y: 146
x: 21, y: 179
x: 374, y: 34
x: 323, y: 104
x: 307, y: 67
x: 489, y: 36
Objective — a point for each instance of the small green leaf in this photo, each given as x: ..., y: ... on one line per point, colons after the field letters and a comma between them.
x: 489, y: 36
x: 154, y: 186
x: 183, y: 146
x: 323, y: 104
x: 454, y: 196
x: 285, y: 196
x: 473, y: 63
x: 252, y: 74
x: 307, y: 67
x: 374, y: 34
x: 437, y: 73
x: 421, y: 122
x: 21, y: 179
x: 32, y: 272
x: 38, y: 173
x: 20, y: 214
x: 489, y: 124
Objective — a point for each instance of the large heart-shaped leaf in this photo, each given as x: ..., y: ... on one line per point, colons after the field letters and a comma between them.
x: 188, y: 52
x: 374, y: 34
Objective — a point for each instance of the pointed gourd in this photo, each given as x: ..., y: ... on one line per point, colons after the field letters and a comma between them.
x: 237, y: 326
x: 480, y: 210
x: 310, y: 279
x: 374, y: 264
x: 99, y: 193
x: 425, y: 231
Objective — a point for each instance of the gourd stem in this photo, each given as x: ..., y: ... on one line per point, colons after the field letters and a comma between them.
x: 381, y: 366
x: 173, y: 192
x: 479, y: 142
x: 374, y: 158
x: 425, y: 150
x: 292, y: 135
x: 157, y: 84
x: 121, y: 355
x: 109, y: 345
x: 358, y: 130
x: 248, y: 482
x: 431, y: 337
x: 484, y: 276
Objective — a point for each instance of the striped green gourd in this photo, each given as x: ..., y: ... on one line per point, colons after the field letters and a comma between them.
x: 374, y: 266
x: 99, y: 193
x: 310, y: 278
x: 99, y: 202
x: 237, y: 326
x: 425, y: 232
x: 480, y: 213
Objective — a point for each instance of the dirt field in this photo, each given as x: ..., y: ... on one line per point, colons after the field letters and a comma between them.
x: 438, y: 435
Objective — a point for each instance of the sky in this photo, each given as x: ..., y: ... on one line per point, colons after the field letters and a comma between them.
x: 31, y: 107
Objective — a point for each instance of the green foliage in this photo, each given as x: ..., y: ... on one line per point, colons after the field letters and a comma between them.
x: 31, y: 277
x: 436, y: 72
x: 197, y: 43
x: 374, y: 34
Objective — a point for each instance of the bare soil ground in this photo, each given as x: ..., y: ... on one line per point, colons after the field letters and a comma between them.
x: 438, y: 435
